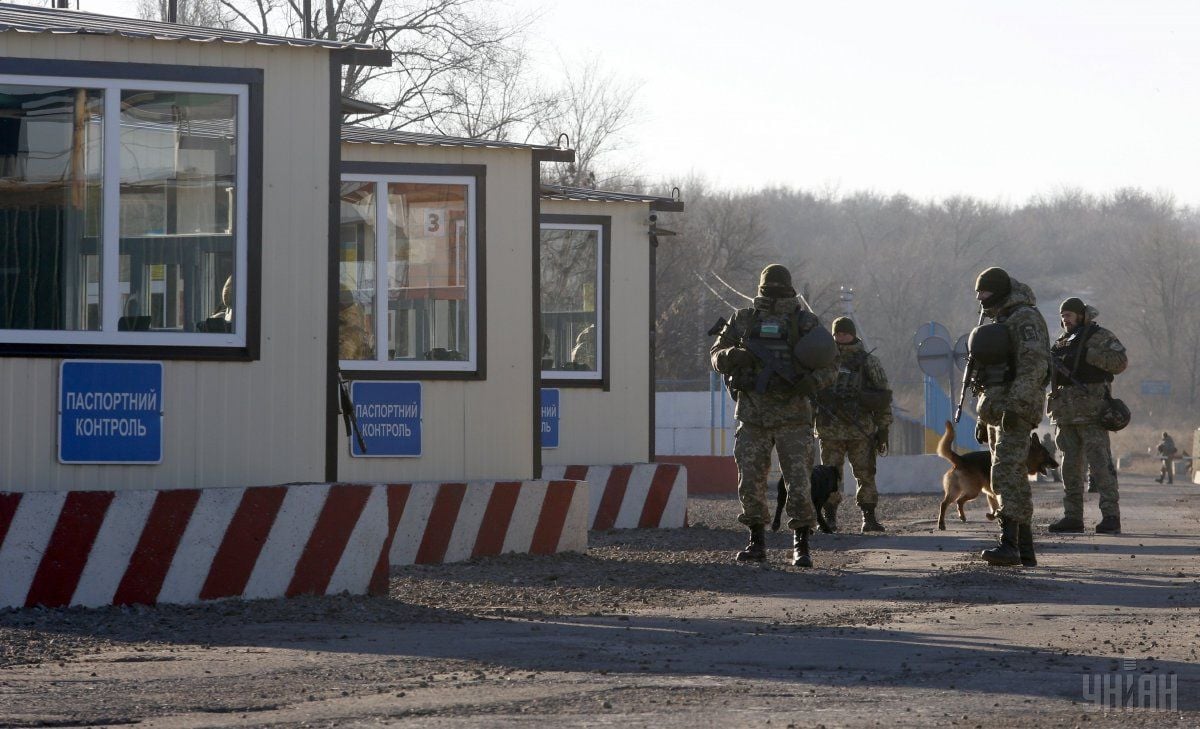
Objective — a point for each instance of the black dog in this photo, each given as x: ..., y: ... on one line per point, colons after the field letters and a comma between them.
x: 826, y: 481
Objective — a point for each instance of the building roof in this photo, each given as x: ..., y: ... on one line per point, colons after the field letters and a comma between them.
x: 563, y: 192
x: 26, y: 19
x: 369, y: 135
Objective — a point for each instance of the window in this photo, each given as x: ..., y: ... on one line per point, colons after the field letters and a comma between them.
x: 407, y: 274
x: 123, y: 212
x: 573, y: 296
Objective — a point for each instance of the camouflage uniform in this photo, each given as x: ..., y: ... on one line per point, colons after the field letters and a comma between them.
x: 1091, y: 355
x: 844, y: 427
x: 779, y: 418
x: 1166, y: 451
x: 1011, y: 410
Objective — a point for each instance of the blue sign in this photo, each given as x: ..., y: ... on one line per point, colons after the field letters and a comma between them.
x: 549, y: 418
x: 389, y: 418
x: 1156, y: 387
x: 110, y: 412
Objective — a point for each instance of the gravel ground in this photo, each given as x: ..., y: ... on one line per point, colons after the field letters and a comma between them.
x: 655, y: 628
x: 623, y: 571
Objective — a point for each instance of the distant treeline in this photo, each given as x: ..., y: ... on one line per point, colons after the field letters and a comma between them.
x: 1130, y: 254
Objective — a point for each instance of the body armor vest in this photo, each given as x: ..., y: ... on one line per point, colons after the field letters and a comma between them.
x: 772, y: 335
x: 850, y: 377
x: 1068, y: 354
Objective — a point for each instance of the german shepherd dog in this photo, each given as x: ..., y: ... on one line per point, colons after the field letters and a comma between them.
x: 826, y: 482
x: 971, y: 474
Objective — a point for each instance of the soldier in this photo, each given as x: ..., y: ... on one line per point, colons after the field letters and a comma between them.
x: 853, y: 418
x: 1167, y: 451
x: 1010, y: 375
x: 775, y: 355
x: 1085, y: 358
x: 1048, y: 444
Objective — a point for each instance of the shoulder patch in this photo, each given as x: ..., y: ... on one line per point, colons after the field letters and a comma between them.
x: 1028, y: 333
x: 1117, y: 347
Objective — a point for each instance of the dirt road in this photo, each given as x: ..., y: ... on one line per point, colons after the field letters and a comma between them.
x: 661, y: 629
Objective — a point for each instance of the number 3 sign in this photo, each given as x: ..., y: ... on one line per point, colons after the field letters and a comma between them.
x: 435, y: 222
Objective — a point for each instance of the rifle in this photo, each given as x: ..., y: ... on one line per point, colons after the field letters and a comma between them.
x: 770, y: 365
x: 966, y: 380
x: 349, y: 419
x: 831, y: 413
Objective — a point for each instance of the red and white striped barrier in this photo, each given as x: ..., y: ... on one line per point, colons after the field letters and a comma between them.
x: 96, y: 548
x: 631, y: 496
x: 451, y: 522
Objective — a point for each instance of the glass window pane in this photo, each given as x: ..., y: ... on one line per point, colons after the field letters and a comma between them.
x: 356, y: 273
x: 51, y: 141
x: 428, y: 278
x: 570, y: 261
x: 178, y: 193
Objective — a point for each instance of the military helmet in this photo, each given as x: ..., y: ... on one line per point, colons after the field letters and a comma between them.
x: 775, y: 282
x: 844, y: 325
x: 1114, y: 414
x: 988, y: 345
x: 816, y: 349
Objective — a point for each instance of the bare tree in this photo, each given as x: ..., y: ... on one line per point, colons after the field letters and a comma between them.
x: 491, y: 98
x: 595, y: 109
x: 437, y: 45
x: 205, y: 13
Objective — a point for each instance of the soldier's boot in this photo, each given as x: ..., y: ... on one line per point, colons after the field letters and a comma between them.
x: 756, y: 550
x: 1025, y: 545
x: 1110, y: 524
x: 1067, y: 525
x: 800, y: 556
x: 1006, y: 553
x: 870, y: 524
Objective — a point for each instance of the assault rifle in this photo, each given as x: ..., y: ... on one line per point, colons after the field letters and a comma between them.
x: 349, y: 419
x: 770, y: 365
x: 966, y: 380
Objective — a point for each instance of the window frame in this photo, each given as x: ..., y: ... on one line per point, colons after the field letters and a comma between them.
x: 600, y: 379
x: 474, y: 178
x: 246, y: 84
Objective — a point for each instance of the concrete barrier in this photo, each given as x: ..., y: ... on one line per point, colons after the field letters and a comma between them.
x: 632, y: 495
x: 902, y: 475
x: 452, y: 522
x: 707, y: 475
x: 94, y: 548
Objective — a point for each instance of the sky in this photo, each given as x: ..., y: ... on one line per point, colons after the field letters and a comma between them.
x: 1001, y: 100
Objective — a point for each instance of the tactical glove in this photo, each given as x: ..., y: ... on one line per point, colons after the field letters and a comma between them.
x: 737, y: 358
x: 881, y: 441
x: 981, y: 433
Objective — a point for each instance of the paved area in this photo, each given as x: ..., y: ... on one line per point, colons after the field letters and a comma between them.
x: 907, y: 629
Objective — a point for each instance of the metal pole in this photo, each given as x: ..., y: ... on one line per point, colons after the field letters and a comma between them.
x: 172, y: 11
x: 307, y: 18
